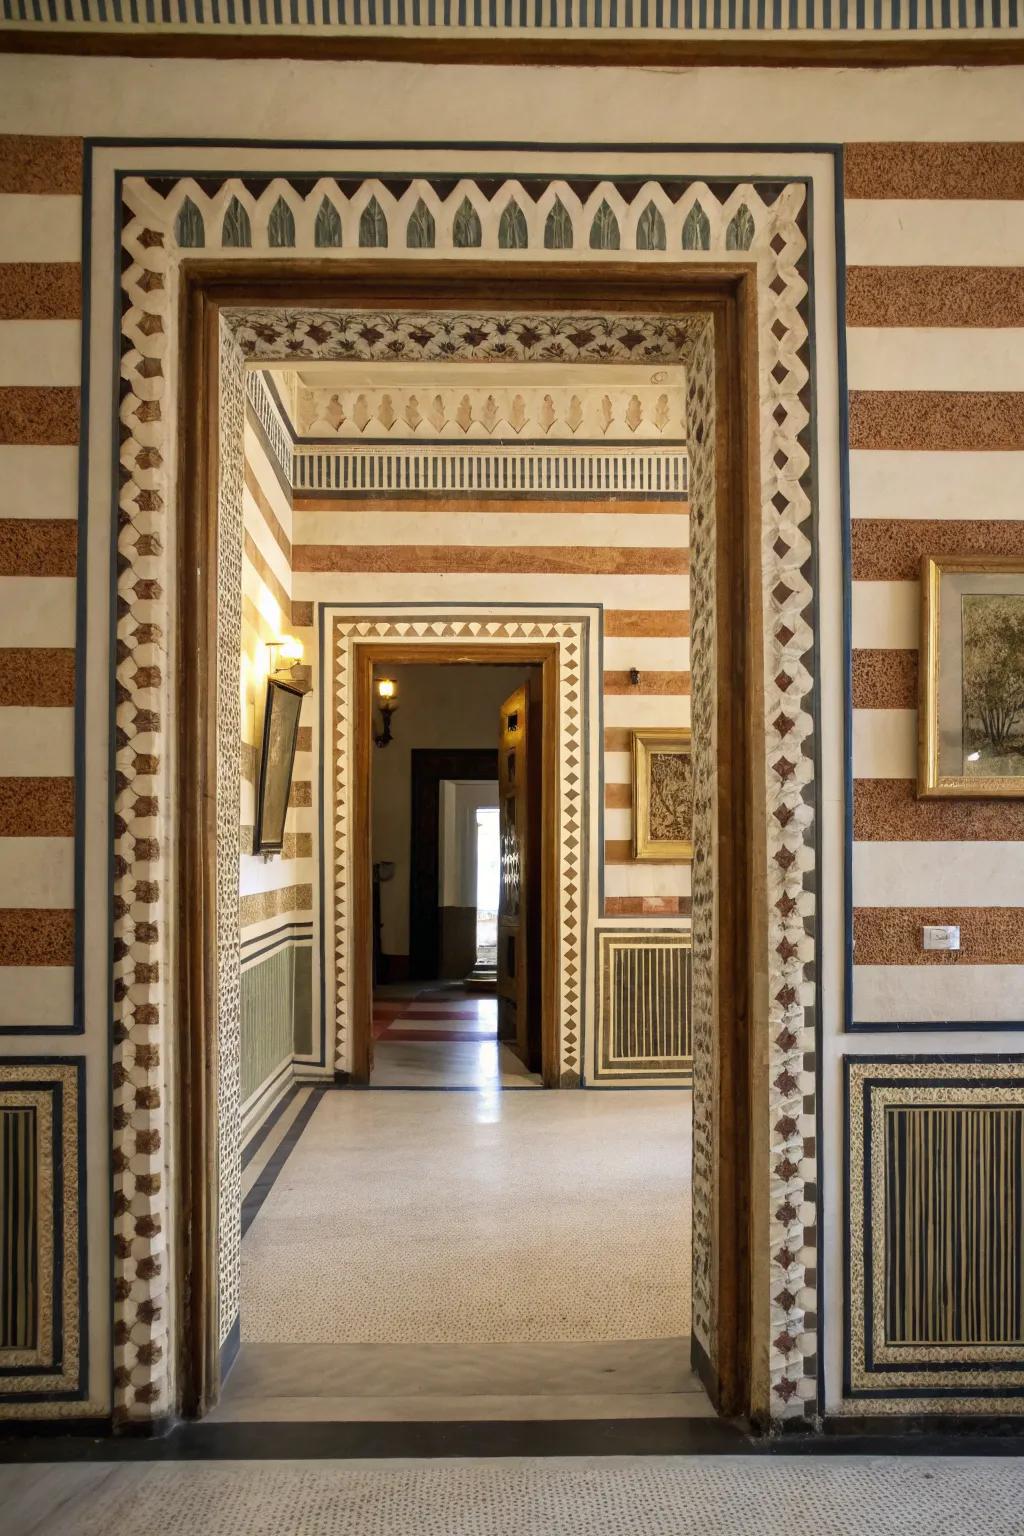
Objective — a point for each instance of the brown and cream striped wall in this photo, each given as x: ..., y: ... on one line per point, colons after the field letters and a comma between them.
x: 275, y: 892
x: 40, y: 340
x: 628, y: 553
x: 935, y: 336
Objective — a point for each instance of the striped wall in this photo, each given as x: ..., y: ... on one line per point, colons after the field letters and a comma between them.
x: 40, y: 337
x: 275, y: 893
x: 629, y: 554
x: 935, y: 335
x: 935, y: 250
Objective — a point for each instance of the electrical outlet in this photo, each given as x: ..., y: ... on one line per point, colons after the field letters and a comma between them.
x: 941, y: 938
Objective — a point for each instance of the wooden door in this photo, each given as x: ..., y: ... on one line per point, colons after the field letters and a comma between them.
x: 519, y: 894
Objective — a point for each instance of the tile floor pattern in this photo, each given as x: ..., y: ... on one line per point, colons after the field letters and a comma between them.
x: 474, y: 1218
x: 441, y: 1037
x: 627, y: 1496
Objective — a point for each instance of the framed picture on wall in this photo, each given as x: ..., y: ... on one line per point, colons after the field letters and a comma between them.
x: 277, y: 759
x: 971, y: 716
x: 662, y: 795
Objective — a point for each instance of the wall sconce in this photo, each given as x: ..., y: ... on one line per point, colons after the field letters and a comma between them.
x: 283, y: 655
x: 387, y: 693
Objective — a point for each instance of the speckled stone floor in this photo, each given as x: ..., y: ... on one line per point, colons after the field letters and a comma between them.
x: 484, y: 1217
x: 628, y: 1496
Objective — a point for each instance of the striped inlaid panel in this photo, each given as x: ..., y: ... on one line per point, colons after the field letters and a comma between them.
x: 532, y: 472
x: 561, y: 18
x: 934, y: 1308
x: 954, y: 1180
x: 643, y: 1004
x: 19, y: 1230
x: 43, y: 1273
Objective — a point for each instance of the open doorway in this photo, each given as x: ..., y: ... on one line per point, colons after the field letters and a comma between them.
x: 456, y: 815
x: 562, y: 569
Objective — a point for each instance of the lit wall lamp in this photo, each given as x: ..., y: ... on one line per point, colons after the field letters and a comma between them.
x: 283, y: 655
x: 387, y: 693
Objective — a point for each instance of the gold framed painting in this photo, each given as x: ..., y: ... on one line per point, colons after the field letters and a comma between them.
x: 662, y: 795
x: 971, y: 716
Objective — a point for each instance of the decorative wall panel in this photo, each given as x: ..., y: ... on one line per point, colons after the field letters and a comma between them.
x: 643, y: 1005
x: 935, y: 1273
x: 763, y: 223
x: 42, y: 1271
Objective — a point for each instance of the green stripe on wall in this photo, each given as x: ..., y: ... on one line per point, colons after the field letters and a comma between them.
x: 19, y: 1279
x: 303, y: 1001
x: 267, y: 1000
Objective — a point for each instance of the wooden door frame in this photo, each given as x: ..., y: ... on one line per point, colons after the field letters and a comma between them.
x: 728, y: 294
x: 430, y: 767
x: 367, y: 655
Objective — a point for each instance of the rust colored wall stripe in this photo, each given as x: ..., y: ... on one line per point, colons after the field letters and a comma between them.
x: 938, y: 296
x: 263, y: 904
x: 305, y: 739
x: 934, y: 170
x: 934, y: 420
x: 267, y: 512
x: 247, y: 765
x: 499, y: 506
x: 647, y: 906
x: 37, y: 546
x: 37, y: 677
x: 266, y: 574
x: 32, y: 162
x: 618, y: 797
x: 37, y: 807
x: 890, y: 549
x: 618, y: 738
x: 884, y: 679
x: 888, y: 811
x: 650, y: 683
x: 660, y: 623
x: 892, y: 935
x: 302, y: 615
x: 618, y: 850
x: 37, y: 414
x: 296, y: 845
x: 36, y: 936
x: 549, y: 559
x: 301, y: 793
x: 40, y: 290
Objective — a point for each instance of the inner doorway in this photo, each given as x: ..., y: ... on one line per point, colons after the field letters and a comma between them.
x: 456, y: 830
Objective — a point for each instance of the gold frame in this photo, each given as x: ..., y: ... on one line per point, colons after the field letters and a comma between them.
x: 664, y: 739
x: 931, y: 785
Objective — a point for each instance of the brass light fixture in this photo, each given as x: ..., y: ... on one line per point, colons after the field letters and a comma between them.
x: 387, y: 694
x: 283, y: 655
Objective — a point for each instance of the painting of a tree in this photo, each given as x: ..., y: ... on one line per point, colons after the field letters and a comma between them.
x: 993, y: 674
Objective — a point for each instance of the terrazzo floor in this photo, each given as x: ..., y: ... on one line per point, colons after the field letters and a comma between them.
x: 473, y: 1255
x: 441, y: 1037
x: 612, y: 1496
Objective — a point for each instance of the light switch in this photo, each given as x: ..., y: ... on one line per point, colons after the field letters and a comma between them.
x: 941, y: 938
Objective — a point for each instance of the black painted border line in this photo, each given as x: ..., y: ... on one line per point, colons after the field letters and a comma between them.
x: 268, y: 1177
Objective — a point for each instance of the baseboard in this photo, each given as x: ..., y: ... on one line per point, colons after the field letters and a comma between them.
x: 266, y: 1099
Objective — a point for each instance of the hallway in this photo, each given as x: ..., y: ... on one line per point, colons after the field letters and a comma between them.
x: 463, y: 1255
x: 441, y: 1036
